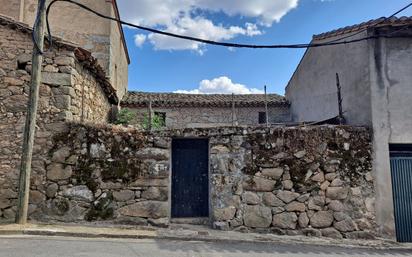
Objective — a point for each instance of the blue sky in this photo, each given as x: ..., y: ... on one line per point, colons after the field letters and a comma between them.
x: 168, y: 65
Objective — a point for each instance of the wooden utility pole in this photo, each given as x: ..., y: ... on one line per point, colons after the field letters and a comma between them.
x: 150, y: 110
x: 266, y: 109
x: 341, y: 118
x: 30, y: 125
x: 233, y: 109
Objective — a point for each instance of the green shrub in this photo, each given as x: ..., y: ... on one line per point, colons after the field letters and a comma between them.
x: 157, y: 122
x: 124, y: 117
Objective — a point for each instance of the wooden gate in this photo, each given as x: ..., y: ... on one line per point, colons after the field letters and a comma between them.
x: 190, y: 178
x: 401, y: 171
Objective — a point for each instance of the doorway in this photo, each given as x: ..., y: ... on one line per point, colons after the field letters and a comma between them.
x: 190, y: 178
x: 401, y: 171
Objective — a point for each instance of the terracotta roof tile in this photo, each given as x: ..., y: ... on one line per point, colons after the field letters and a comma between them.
x: 141, y: 99
x: 394, y: 21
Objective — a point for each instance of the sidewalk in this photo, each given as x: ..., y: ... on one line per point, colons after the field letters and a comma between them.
x: 188, y: 233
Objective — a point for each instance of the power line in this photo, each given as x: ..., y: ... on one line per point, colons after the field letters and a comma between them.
x: 225, y: 44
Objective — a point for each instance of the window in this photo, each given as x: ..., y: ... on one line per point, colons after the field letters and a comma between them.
x: 160, y: 118
x: 262, y: 117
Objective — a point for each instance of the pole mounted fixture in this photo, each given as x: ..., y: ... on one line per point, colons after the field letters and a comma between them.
x: 30, y: 125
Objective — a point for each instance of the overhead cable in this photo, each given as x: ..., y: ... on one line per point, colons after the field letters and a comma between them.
x: 228, y: 44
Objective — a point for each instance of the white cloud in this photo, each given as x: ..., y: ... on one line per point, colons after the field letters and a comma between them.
x: 201, y: 28
x: 139, y: 39
x: 266, y: 11
x: 181, y: 16
x: 220, y: 85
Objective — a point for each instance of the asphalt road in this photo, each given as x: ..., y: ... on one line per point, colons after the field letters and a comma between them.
x: 70, y: 247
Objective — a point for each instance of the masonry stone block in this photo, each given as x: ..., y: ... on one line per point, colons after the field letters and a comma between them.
x: 146, y: 209
x: 257, y: 216
x: 57, y: 79
x: 285, y: 220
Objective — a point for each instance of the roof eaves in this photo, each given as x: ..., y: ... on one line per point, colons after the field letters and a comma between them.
x: 141, y: 99
x: 394, y: 21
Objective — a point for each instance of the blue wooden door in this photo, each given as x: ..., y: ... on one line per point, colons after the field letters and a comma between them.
x: 190, y: 178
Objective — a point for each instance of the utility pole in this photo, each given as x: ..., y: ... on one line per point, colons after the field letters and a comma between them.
x: 266, y: 109
x: 233, y: 109
x: 341, y: 118
x: 150, y: 110
x: 30, y: 125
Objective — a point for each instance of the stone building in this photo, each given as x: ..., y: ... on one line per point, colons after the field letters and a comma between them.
x: 207, y: 110
x: 74, y: 88
x: 294, y: 180
x: 105, y: 39
x: 375, y: 76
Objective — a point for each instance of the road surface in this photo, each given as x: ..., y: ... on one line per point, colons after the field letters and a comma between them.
x: 22, y: 246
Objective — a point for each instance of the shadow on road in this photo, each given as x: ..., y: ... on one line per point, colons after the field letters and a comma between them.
x: 280, y: 248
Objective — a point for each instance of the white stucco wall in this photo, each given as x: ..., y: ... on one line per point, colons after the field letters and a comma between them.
x: 391, y: 87
x: 312, y: 89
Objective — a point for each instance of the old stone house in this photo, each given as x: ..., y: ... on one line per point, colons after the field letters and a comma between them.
x: 375, y: 76
x: 207, y: 110
x: 294, y: 180
x: 74, y: 88
x: 105, y: 39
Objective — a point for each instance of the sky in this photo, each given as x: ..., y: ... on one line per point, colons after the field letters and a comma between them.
x: 164, y: 64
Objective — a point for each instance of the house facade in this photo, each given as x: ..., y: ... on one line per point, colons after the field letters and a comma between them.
x: 105, y: 39
x: 214, y: 162
x: 375, y: 77
x: 206, y: 110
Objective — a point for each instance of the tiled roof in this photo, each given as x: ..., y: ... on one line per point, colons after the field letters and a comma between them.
x: 355, y: 28
x: 141, y: 99
x: 84, y: 57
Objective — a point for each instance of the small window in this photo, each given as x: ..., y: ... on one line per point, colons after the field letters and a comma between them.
x: 161, y: 117
x: 262, y: 117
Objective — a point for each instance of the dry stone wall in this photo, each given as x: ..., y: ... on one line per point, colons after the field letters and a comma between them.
x: 298, y: 180
x: 312, y: 181
x: 106, y: 174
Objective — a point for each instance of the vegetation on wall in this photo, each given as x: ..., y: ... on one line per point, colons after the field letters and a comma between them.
x: 124, y: 117
x: 157, y: 122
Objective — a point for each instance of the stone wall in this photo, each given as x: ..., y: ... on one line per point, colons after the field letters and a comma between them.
x: 313, y: 181
x: 111, y: 174
x: 298, y: 180
x: 68, y: 90
x: 70, y: 22
x: 89, y: 103
x: 177, y: 118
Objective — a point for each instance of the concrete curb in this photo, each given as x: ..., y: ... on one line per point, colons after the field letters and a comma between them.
x: 117, y: 233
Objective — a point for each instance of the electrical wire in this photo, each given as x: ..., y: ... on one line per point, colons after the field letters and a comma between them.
x: 225, y: 44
